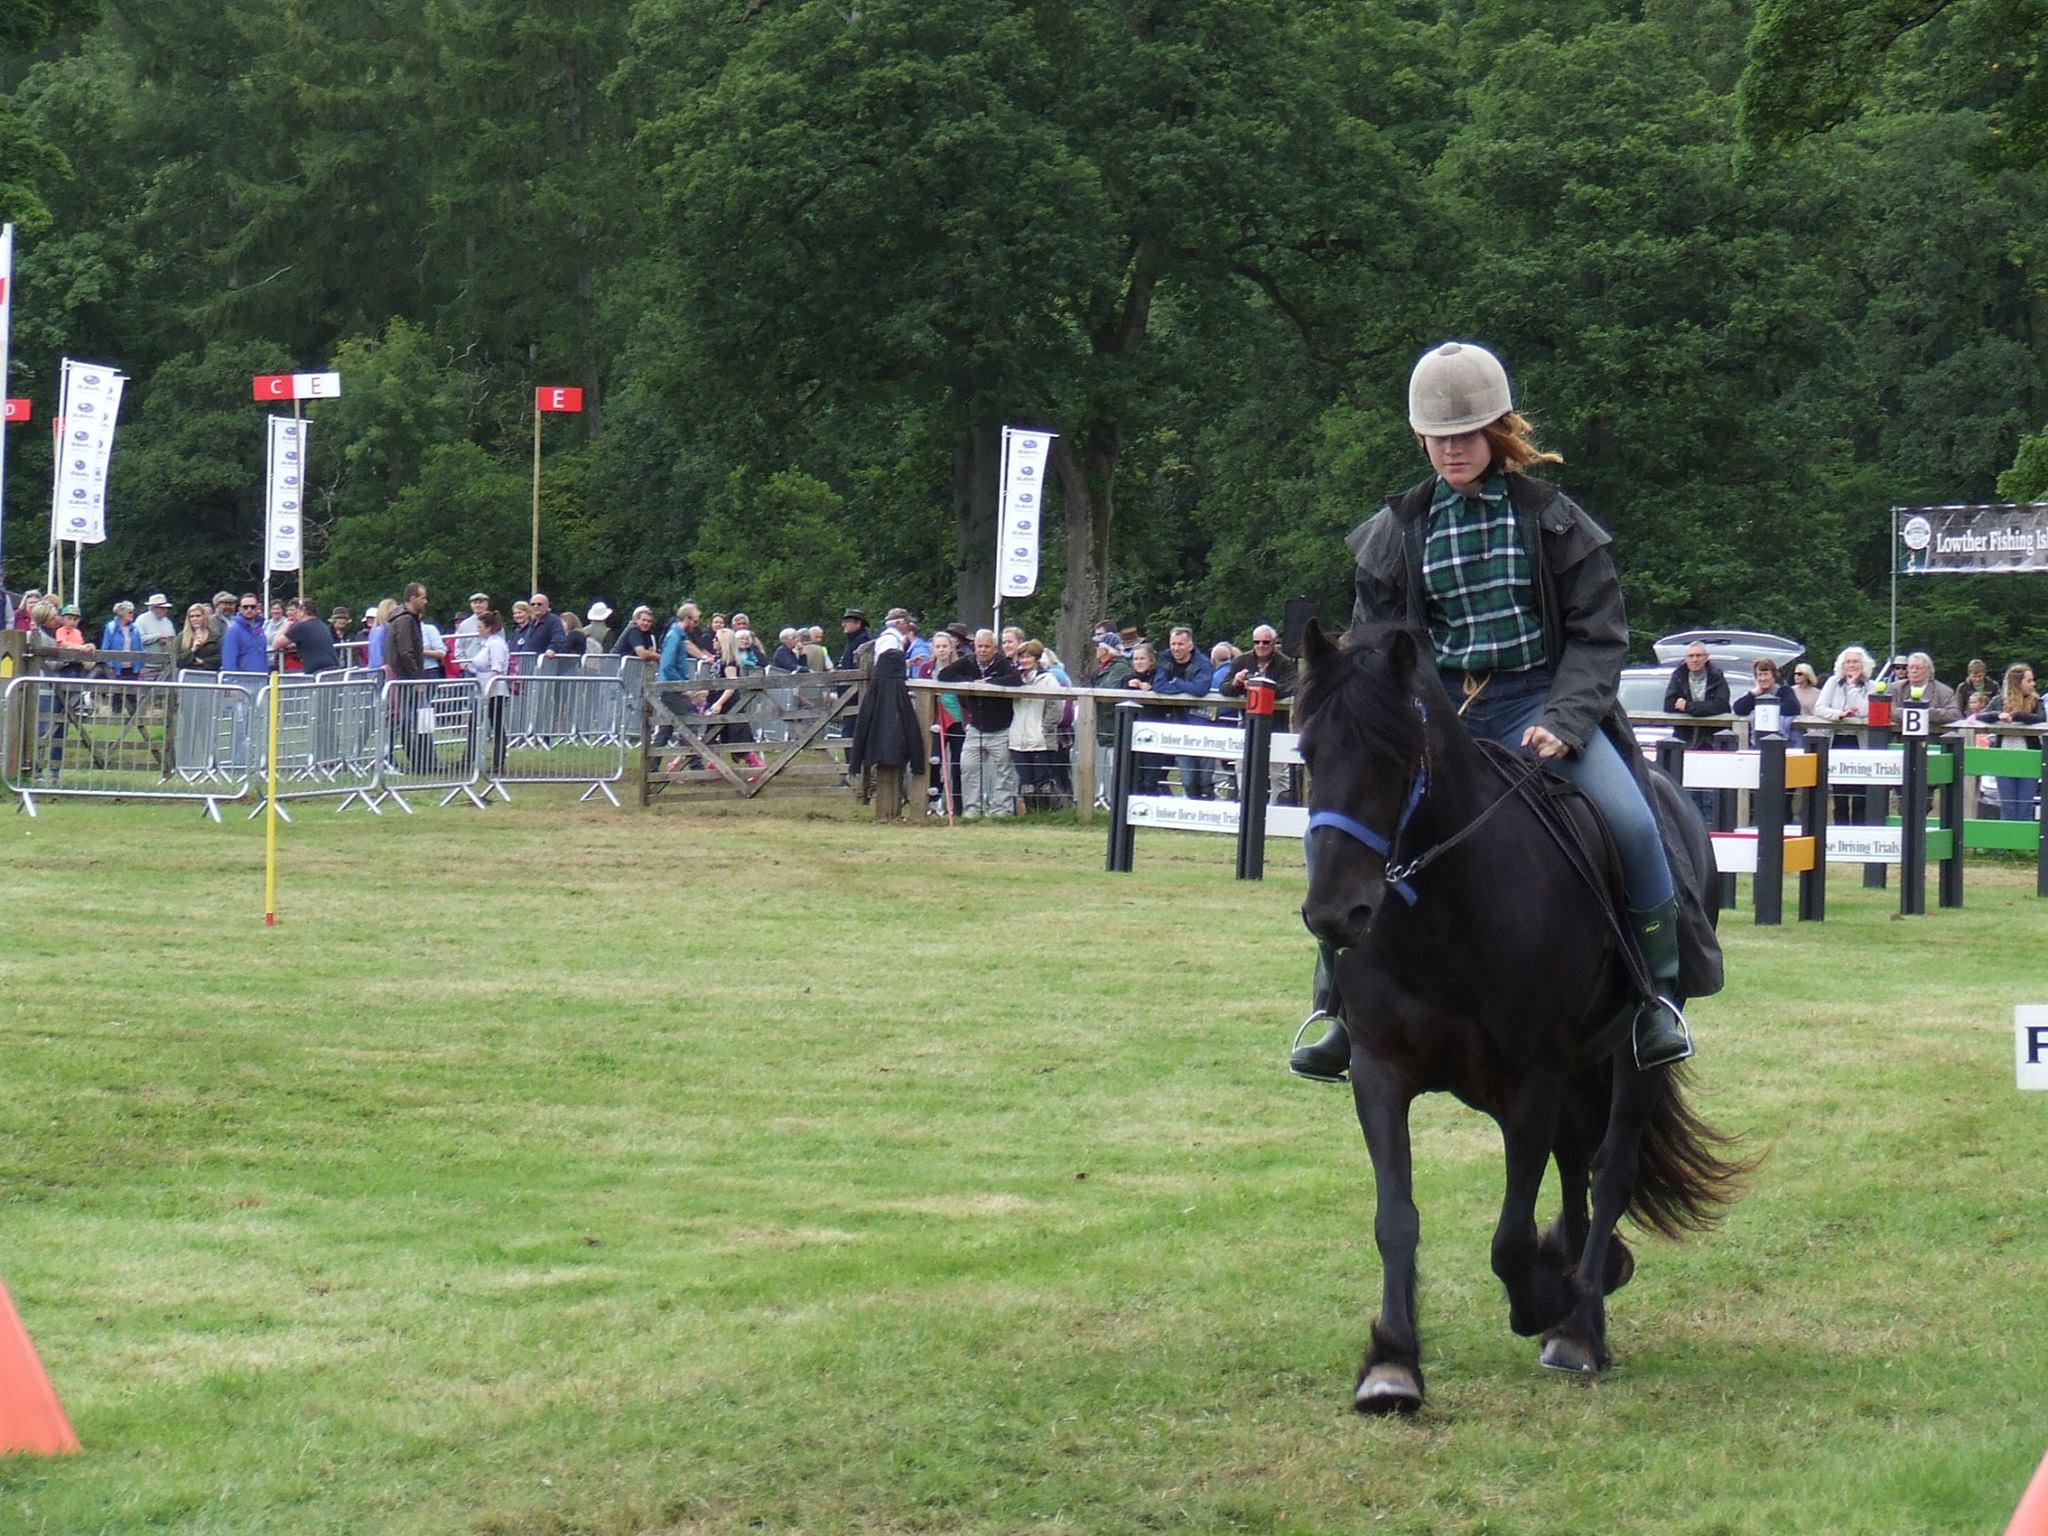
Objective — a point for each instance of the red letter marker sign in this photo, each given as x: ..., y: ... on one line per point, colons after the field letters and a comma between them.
x: 553, y: 397
x: 267, y: 387
x: 19, y: 410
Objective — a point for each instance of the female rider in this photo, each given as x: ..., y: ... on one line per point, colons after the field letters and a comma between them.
x: 1512, y: 583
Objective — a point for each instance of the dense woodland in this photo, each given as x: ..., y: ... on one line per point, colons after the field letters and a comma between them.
x: 1760, y: 273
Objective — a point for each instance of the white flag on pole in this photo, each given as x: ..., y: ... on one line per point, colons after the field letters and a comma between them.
x: 284, y: 505
x: 6, y: 325
x: 1025, y: 450
x: 91, y: 404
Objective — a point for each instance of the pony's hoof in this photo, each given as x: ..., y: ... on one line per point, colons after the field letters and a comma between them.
x: 1388, y: 1389
x: 1568, y: 1355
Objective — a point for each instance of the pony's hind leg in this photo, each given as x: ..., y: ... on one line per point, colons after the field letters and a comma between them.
x: 1578, y: 1135
x: 1390, y: 1379
x: 1579, y: 1343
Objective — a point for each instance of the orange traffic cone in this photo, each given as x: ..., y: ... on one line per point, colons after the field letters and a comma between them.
x: 2031, y: 1518
x: 31, y: 1418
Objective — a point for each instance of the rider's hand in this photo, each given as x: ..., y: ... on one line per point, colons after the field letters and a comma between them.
x: 1543, y: 744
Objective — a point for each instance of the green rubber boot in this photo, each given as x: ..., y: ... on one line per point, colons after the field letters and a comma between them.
x: 1661, y: 1037
x: 1328, y: 1059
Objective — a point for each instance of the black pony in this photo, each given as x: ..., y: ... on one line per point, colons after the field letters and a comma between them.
x: 1487, y: 965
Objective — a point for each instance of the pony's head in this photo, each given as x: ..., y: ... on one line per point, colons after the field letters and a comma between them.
x: 1363, y: 739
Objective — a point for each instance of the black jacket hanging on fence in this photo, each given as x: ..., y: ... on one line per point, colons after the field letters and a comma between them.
x: 885, y: 733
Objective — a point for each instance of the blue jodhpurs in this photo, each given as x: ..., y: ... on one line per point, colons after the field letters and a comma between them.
x: 1510, y: 703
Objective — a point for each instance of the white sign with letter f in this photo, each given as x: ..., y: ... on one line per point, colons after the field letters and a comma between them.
x: 2030, y: 1044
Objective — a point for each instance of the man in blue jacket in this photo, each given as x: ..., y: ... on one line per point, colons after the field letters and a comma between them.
x: 1184, y: 670
x: 242, y: 646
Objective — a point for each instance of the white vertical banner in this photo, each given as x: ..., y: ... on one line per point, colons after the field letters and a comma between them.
x: 284, y: 504
x: 6, y: 329
x: 1025, y: 451
x: 91, y: 404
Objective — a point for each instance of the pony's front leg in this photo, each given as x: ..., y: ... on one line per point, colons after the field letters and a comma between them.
x: 1539, y: 1289
x: 1390, y: 1380
x: 1579, y: 1343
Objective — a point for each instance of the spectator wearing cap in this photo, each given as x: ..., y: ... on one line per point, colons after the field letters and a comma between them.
x: 155, y: 626
x: 988, y: 778
x: 70, y: 635
x: 469, y: 633
x: 121, y: 635
x: 339, y: 623
x: 1112, y: 670
x: 223, y: 614
x: 855, y: 625
x: 597, y: 625
x: 242, y: 647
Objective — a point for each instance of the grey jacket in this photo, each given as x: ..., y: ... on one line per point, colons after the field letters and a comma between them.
x: 1585, y: 627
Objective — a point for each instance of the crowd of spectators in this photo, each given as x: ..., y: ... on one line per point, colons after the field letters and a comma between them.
x: 994, y: 754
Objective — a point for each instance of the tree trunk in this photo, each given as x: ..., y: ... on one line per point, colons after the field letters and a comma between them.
x: 1087, y: 472
x: 976, y: 463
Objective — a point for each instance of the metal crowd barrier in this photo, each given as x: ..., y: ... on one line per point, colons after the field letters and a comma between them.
x: 560, y: 727
x: 432, y: 741
x: 122, y: 739
x: 330, y: 739
x: 210, y: 738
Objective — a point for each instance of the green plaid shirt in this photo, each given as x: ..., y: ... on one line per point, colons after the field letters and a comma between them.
x: 1476, y: 582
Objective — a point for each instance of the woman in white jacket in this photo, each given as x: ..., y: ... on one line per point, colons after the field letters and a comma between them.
x: 1034, y: 727
x: 1845, y: 696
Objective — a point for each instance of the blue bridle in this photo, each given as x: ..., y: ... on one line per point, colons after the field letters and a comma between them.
x: 1358, y: 831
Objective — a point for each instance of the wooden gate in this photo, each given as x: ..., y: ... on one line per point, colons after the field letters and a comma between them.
x: 784, y: 732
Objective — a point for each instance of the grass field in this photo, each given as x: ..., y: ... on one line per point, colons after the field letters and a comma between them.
x: 562, y: 1170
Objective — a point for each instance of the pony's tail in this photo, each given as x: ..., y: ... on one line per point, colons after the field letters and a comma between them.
x: 1685, y: 1182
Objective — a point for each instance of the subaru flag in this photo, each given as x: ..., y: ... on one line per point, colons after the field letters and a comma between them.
x: 285, y: 501
x: 1025, y: 451
x: 91, y: 396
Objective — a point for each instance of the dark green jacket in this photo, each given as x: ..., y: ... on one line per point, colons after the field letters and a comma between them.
x: 1111, y: 676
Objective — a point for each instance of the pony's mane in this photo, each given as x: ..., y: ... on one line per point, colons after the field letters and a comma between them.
x: 1358, y: 697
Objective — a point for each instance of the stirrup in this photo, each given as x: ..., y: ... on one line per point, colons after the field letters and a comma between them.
x: 1684, y: 1030
x: 1316, y: 1016
x: 1336, y: 1075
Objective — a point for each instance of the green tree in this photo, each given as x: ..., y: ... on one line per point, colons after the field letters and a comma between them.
x: 784, y: 545
x: 1003, y: 213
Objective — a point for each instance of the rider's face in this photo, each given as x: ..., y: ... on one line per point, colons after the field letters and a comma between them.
x: 1462, y: 460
